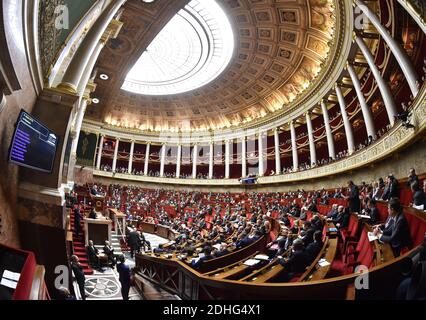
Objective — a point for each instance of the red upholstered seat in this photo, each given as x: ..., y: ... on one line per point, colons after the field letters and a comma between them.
x: 383, y: 211
x: 351, y: 232
x: 406, y: 196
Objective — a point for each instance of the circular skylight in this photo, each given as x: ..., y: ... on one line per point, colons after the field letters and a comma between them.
x: 191, y: 50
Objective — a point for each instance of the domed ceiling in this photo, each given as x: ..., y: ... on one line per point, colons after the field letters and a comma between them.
x: 280, y: 48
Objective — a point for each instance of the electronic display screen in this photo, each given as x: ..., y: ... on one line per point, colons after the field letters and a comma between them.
x: 33, y: 145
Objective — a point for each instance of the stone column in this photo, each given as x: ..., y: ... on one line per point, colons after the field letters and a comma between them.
x: 162, y: 160
x: 75, y: 135
x: 261, y: 155
x: 404, y: 62
x: 211, y: 160
x: 86, y: 48
x: 132, y: 149
x: 366, y: 112
x: 330, y: 140
x: 101, y: 146
x: 312, y: 150
x: 346, y: 122
x: 114, y: 161
x: 383, y: 86
x: 243, y: 157
x: 294, y: 146
x: 194, y: 161
x: 178, y: 160
x: 146, y: 164
x: 227, y: 158
x: 277, y: 152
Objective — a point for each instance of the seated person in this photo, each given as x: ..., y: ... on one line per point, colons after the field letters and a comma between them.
x: 252, y: 237
x: 317, y: 223
x: 282, y: 248
x: 333, y: 212
x: 223, y: 250
x: 207, y: 256
x: 295, y: 264
x: 342, y: 218
x: 397, y: 234
x: 372, y: 211
x: 307, y: 233
x: 92, y: 214
x: 314, y: 248
x: 143, y: 243
x: 412, y: 287
x: 109, y: 252
x: 93, y: 255
x: 419, y: 197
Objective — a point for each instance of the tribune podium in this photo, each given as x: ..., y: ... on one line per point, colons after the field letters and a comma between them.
x: 98, y: 202
x: 20, y: 276
x: 98, y: 230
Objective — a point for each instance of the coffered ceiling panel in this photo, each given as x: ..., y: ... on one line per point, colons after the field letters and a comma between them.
x: 280, y: 47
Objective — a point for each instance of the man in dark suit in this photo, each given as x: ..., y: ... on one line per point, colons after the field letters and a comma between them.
x: 394, y: 187
x: 314, y: 248
x: 317, y: 223
x: 386, y: 190
x: 143, y: 243
x: 77, y: 220
x: 307, y: 233
x: 281, y: 247
x: 133, y: 242
x: 109, y: 252
x: 248, y: 239
x: 398, y: 234
x: 207, y: 256
x: 342, y: 218
x: 92, y: 214
x: 223, y: 250
x: 79, y: 275
x: 372, y: 211
x: 419, y: 196
x: 92, y: 254
x: 391, y: 189
x: 412, y: 177
x: 353, y: 197
x: 125, y: 277
x: 295, y: 264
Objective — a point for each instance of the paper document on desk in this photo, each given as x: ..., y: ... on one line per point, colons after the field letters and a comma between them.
x: 364, y: 216
x: 372, y: 237
x: 261, y: 257
x: 251, y: 262
x: 323, y: 263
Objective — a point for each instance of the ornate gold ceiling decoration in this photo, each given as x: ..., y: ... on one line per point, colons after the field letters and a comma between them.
x: 281, y: 47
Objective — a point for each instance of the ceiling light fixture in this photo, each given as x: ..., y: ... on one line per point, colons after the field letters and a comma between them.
x: 104, y: 76
x: 95, y: 100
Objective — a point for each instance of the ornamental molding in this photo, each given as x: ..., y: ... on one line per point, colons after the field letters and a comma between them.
x: 393, y: 141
